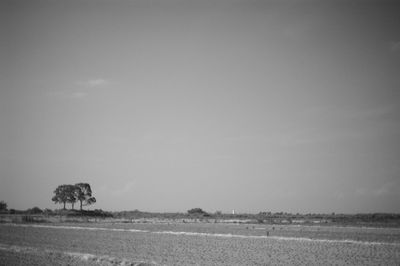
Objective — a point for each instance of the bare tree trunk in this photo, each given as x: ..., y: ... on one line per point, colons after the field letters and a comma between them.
x: 64, y: 205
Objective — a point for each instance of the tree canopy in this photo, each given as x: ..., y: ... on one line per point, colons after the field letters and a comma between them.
x: 64, y: 194
x: 3, y: 206
x: 81, y: 192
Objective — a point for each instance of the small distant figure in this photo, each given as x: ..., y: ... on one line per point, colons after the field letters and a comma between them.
x: 233, y: 212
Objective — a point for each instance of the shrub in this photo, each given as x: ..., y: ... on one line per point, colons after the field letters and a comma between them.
x: 35, y: 210
x: 195, y: 211
x: 198, y: 212
x: 47, y: 211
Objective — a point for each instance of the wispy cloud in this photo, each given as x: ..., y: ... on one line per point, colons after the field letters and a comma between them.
x: 81, y: 89
x: 93, y: 83
x: 78, y: 94
x: 67, y: 94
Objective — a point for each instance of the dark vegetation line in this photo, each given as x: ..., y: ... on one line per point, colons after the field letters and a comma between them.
x: 82, y: 193
x: 198, y: 215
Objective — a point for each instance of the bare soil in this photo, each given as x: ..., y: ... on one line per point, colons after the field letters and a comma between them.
x: 196, y: 244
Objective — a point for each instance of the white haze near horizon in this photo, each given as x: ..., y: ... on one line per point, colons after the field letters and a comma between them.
x: 228, y: 104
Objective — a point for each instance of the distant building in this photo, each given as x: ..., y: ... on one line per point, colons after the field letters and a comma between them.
x: 233, y: 211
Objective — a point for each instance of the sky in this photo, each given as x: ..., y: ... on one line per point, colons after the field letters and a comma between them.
x: 168, y: 105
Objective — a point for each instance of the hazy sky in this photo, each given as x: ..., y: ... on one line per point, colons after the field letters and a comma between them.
x: 168, y: 105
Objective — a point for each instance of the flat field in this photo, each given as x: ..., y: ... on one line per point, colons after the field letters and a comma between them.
x: 196, y: 244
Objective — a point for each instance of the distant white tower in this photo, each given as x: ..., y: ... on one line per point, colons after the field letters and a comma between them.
x: 233, y: 211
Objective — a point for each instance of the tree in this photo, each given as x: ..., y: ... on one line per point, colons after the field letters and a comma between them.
x: 197, y: 211
x: 83, y: 194
x: 3, y: 206
x: 72, y: 198
x: 64, y: 194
